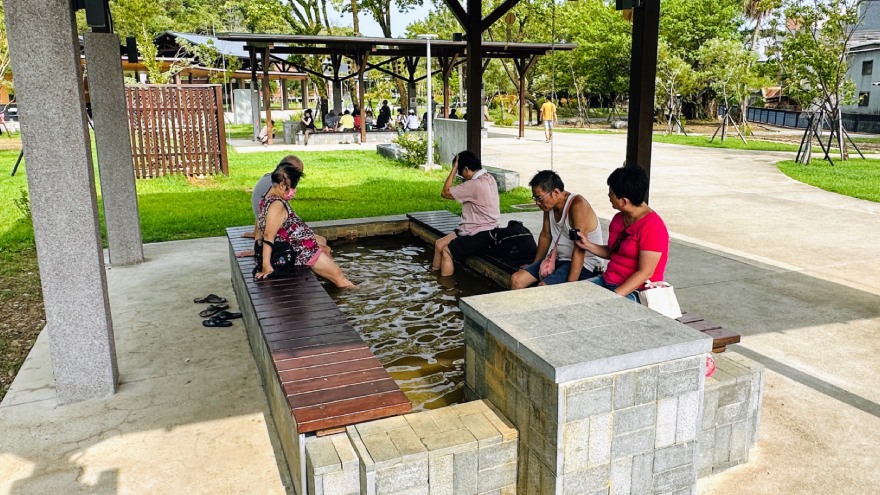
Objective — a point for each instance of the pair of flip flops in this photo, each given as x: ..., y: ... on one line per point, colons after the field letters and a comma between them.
x: 221, y: 319
x: 210, y: 299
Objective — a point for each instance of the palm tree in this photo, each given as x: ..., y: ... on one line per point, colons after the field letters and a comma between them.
x: 757, y: 10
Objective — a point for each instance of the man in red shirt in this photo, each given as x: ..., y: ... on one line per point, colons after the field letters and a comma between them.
x: 480, y: 212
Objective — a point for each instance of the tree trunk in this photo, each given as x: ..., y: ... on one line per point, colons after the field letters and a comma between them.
x: 354, y: 18
x: 756, y: 32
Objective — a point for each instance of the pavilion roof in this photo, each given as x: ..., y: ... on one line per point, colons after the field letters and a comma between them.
x: 326, y: 45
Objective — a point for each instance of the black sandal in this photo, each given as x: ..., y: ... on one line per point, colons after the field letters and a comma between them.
x: 227, y: 315
x: 216, y: 322
x: 210, y: 298
x: 213, y: 310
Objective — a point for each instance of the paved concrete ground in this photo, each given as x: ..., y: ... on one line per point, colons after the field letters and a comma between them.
x: 790, y: 267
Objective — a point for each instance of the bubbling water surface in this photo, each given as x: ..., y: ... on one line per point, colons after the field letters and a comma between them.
x: 407, y: 315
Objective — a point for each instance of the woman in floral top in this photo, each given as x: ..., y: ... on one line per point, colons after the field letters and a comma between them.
x: 277, y: 220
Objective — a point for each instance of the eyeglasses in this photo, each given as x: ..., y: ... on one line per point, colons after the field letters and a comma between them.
x: 538, y: 199
x: 620, y: 238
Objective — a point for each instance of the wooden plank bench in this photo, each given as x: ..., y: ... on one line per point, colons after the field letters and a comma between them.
x: 722, y: 337
x: 431, y: 225
x: 303, y: 344
x: 436, y: 224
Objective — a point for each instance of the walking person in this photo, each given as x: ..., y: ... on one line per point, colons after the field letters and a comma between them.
x: 548, y: 115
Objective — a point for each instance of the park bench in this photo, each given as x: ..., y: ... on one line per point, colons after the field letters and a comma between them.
x: 431, y: 225
x: 314, y: 365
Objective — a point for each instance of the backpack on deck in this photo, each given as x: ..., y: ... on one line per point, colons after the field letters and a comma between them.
x: 514, y: 245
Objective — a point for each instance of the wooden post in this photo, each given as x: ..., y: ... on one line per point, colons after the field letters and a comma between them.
x: 267, y: 89
x: 362, y: 65
x: 284, y: 95
x: 643, y: 72
x: 255, y: 101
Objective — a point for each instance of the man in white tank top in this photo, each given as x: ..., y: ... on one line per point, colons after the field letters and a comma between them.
x: 563, y: 211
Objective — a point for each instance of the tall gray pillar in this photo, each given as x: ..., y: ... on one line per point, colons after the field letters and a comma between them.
x: 115, y: 165
x: 337, y: 96
x: 62, y: 194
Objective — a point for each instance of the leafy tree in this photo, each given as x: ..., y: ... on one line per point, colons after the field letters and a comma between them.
x: 730, y: 70
x: 814, y: 55
x: 688, y: 24
x: 758, y: 10
x: 4, y: 51
x: 674, y: 77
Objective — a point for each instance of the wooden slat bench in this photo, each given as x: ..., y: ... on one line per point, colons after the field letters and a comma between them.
x: 433, y: 224
x: 327, y: 373
x: 722, y: 337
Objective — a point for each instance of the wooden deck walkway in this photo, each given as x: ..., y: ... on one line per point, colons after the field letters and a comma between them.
x: 328, y: 374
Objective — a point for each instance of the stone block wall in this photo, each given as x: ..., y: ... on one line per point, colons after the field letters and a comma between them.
x: 628, y: 432
x: 461, y: 449
x: 732, y: 413
x: 607, y: 397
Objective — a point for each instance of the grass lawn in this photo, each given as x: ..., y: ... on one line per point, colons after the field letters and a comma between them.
x: 855, y: 177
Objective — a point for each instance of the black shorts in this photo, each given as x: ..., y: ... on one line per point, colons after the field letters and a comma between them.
x: 466, y: 245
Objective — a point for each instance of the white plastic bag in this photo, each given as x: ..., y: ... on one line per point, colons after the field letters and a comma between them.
x: 660, y: 296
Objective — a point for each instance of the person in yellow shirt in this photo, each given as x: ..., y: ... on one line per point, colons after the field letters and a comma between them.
x: 346, y: 122
x: 548, y: 115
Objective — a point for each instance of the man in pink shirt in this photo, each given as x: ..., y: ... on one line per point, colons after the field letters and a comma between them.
x: 480, y: 212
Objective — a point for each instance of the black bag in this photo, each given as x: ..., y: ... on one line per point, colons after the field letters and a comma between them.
x: 282, y: 258
x: 514, y: 245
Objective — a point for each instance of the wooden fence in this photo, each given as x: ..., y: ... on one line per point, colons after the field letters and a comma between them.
x: 176, y: 129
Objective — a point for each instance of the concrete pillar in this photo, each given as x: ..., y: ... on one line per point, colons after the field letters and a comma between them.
x: 305, y: 93
x: 284, y: 95
x: 337, y: 96
x: 62, y: 195
x: 114, y: 149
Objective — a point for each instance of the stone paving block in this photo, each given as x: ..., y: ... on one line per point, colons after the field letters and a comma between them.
x: 501, y: 423
x: 625, y: 389
x: 380, y: 425
x: 722, y: 445
x: 587, y: 403
x: 681, y: 364
x: 731, y: 413
x: 470, y: 367
x: 588, y: 481
x: 544, y: 448
x: 402, y: 477
x: 446, y: 418
x: 674, y: 456
x: 707, y: 450
x: 321, y: 455
x: 739, y: 448
x: 408, y: 444
x: 464, y: 469
x: 480, y: 376
x: 674, y: 479
x: 635, y: 418
x: 642, y: 473
x: 688, y: 420
x: 344, y: 449
x: 733, y: 393
x: 710, y: 406
x: 600, y: 439
x: 677, y: 383
x: 450, y: 442
x: 422, y: 424
x: 416, y: 490
x: 621, y: 476
x: 533, y: 476
x: 576, y: 436
x: 496, y: 477
x: 342, y: 482
x: 382, y: 450
x: 646, y: 385
x: 635, y: 443
x: 498, y: 454
x: 667, y: 415
x: 440, y: 475
x: 482, y: 429
x: 472, y: 407
x: 588, y: 384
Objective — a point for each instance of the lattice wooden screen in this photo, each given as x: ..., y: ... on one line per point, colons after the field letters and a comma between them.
x: 176, y: 129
